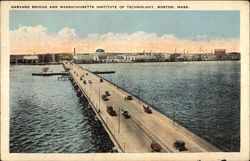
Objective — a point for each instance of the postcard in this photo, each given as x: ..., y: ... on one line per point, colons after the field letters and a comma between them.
x: 125, y: 80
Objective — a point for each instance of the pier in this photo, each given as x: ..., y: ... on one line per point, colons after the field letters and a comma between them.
x: 144, y: 126
x: 50, y: 74
x: 103, y: 72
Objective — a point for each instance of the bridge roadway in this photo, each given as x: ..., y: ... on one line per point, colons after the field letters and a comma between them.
x: 138, y: 132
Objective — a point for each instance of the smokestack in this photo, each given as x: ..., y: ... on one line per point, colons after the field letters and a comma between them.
x: 74, y: 51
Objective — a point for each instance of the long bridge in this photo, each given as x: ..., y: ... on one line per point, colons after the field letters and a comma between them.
x: 140, y: 131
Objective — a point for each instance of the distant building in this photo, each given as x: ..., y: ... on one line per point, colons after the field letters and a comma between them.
x: 84, y: 58
x: 141, y: 57
x: 30, y: 59
x: 175, y: 56
x: 234, y: 55
x: 48, y: 57
x: 167, y: 57
x: 16, y: 59
x: 101, y: 57
x: 100, y: 51
x: 23, y: 59
x: 65, y: 56
x: 210, y: 56
x: 219, y: 53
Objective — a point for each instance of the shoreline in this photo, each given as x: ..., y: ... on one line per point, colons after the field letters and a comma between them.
x: 59, y: 63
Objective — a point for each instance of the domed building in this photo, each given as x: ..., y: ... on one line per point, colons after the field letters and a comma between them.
x: 100, y: 51
x: 101, y: 55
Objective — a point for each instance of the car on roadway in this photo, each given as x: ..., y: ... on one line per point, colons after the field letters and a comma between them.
x: 125, y: 114
x: 147, y: 109
x: 104, y: 98
x: 129, y: 97
x: 156, y: 147
x: 180, y: 145
x: 107, y: 93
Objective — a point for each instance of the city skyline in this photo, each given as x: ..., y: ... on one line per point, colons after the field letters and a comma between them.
x: 123, y: 31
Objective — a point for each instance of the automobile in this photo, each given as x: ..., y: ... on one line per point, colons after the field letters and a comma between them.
x: 111, y: 111
x: 155, y: 147
x: 129, y: 97
x: 107, y: 93
x: 180, y: 145
x: 125, y: 114
x: 113, y: 150
x: 104, y: 98
x: 147, y: 109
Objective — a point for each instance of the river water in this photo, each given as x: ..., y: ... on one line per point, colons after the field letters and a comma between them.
x: 46, y: 116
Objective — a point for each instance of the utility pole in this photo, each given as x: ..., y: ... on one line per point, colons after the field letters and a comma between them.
x: 119, y: 119
x: 99, y: 97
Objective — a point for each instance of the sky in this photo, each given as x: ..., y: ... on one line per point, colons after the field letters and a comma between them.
x: 123, y: 31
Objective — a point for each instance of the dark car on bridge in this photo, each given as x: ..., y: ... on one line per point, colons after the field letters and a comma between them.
x: 111, y: 111
x: 129, y: 97
x: 107, y: 93
x: 105, y: 98
x: 147, y: 109
x: 156, y: 147
x: 180, y: 145
x: 125, y: 114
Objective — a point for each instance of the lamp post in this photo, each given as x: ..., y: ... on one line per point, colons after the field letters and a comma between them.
x: 119, y: 119
x: 99, y: 97
x: 124, y: 145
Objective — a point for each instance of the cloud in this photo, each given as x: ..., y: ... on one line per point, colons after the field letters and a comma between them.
x: 27, y: 39
x: 67, y: 32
